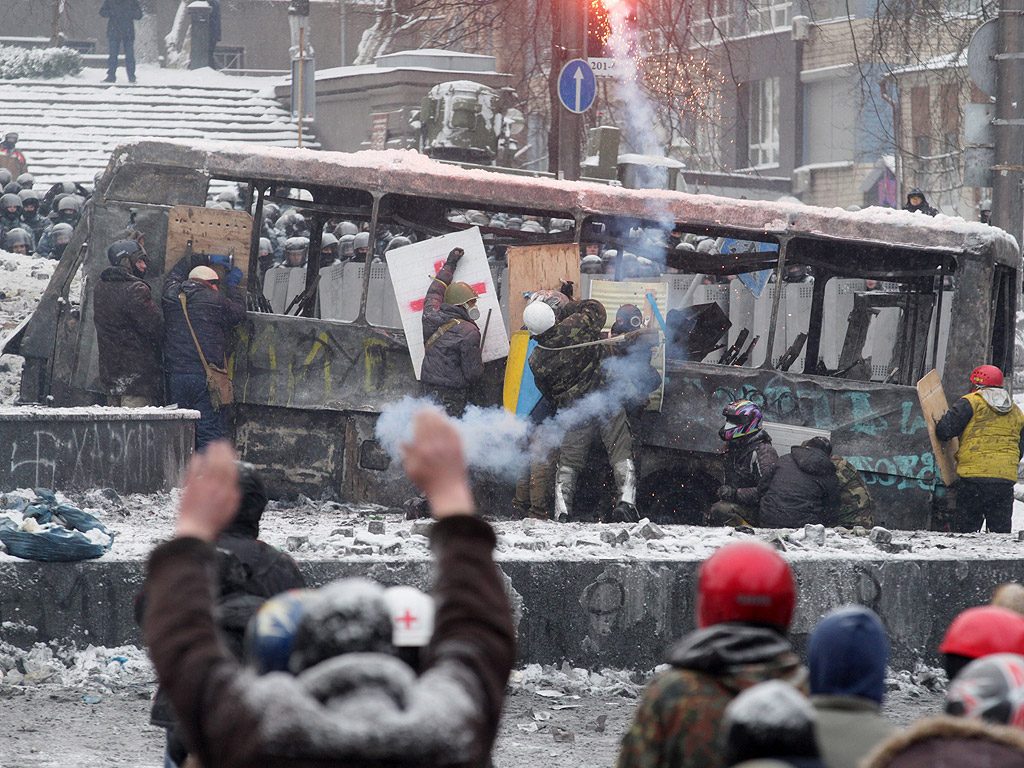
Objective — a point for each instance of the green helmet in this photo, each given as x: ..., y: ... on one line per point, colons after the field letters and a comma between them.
x: 459, y: 293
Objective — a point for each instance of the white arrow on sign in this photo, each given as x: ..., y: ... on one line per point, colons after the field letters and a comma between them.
x: 578, y: 77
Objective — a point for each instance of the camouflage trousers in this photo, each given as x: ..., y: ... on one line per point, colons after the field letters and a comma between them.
x: 535, y: 485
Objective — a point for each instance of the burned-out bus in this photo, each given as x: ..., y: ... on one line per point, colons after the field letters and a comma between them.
x: 893, y: 295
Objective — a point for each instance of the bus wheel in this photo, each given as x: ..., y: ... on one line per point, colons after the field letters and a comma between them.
x: 675, y: 498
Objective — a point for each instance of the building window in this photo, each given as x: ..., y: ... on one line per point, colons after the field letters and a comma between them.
x: 768, y: 15
x: 712, y: 20
x: 229, y: 57
x: 763, y: 134
x: 826, y: 10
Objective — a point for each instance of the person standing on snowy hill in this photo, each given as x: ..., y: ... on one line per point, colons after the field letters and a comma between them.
x: 348, y: 700
x: 129, y: 329
x: 121, y: 16
x: 745, y: 601
x: 991, y: 431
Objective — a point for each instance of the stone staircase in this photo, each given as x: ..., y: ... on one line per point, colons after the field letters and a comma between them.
x: 70, y: 126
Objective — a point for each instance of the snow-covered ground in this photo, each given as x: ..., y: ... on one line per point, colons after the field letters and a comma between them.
x: 98, y: 700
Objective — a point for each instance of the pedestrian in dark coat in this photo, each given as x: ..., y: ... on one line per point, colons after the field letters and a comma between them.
x: 213, y: 314
x: 249, y: 572
x: 129, y: 329
x: 121, y: 16
x: 451, y: 339
x: 918, y: 203
x: 361, y: 708
x: 847, y: 654
x: 804, y: 489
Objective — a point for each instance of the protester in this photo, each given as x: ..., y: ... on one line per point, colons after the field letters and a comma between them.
x: 847, y: 655
x: 982, y: 725
x: 750, y: 463
x: 451, y: 339
x: 9, y: 147
x: 978, y: 632
x: 249, y: 572
x: 121, y: 16
x: 194, y: 287
x: 360, y: 708
x: 745, y: 600
x: 804, y: 488
x: 568, y: 366
x: 991, y: 431
x: 129, y: 329
x: 770, y: 723
x: 918, y: 203
x: 856, y: 507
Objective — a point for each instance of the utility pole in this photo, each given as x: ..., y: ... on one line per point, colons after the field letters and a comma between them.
x: 1008, y: 172
x: 565, y: 142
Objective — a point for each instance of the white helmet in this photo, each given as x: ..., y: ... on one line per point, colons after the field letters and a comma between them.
x: 412, y: 616
x: 202, y: 272
x: 538, y: 317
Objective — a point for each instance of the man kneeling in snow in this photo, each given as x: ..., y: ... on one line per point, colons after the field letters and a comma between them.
x: 367, y: 708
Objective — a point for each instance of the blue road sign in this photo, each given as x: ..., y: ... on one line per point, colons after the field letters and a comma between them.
x: 577, y: 86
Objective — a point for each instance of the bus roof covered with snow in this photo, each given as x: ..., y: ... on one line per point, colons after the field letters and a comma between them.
x: 884, y: 297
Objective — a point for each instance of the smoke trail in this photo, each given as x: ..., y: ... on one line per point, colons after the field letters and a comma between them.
x: 498, y: 442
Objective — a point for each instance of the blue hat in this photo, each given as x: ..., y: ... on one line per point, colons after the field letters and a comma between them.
x: 847, y: 654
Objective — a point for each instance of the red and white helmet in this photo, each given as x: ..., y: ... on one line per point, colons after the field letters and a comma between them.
x: 990, y: 689
x: 986, y: 376
x: 745, y: 581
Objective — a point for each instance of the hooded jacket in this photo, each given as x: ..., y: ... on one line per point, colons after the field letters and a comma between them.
x: 349, y: 710
x: 677, y: 720
x: 950, y: 742
x: 121, y: 16
x: 129, y: 332
x: 565, y: 375
x: 991, y: 431
x: 212, y: 314
x: 847, y: 655
x: 924, y: 207
x: 453, y: 360
x: 804, y: 489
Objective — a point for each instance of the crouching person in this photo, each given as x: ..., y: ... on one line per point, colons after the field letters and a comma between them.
x: 365, y: 707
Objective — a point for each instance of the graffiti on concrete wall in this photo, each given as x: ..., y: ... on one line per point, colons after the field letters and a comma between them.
x: 125, y: 455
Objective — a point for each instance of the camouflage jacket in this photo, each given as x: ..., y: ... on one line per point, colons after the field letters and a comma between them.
x: 856, y: 507
x: 676, y: 723
x: 565, y: 375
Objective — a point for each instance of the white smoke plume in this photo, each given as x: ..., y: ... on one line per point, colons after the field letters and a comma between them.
x: 496, y: 441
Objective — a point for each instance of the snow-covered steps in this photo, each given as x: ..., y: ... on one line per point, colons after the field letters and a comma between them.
x: 70, y: 126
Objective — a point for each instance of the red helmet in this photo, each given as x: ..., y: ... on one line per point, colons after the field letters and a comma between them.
x: 986, y: 629
x: 986, y: 376
x: 745, y: 581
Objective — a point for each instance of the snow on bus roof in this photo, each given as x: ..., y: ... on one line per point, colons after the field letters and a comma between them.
x: 413, y: 173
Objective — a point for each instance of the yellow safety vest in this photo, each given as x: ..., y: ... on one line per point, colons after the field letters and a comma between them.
x: 990, y: 443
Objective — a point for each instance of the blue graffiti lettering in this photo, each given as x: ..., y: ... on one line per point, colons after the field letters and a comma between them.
x: 865, y: 419
x: 911, y: 421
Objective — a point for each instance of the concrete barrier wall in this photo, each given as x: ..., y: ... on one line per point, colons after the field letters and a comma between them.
x: 132, y: 450
x: 613, y: 613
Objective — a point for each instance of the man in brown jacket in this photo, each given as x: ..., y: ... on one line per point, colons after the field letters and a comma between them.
x: 129, y: 329
x: 366, y: 709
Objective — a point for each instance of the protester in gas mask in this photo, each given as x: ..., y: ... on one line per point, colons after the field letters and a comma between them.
x: 451, y: 339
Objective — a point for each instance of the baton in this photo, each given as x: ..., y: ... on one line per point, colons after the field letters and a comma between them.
x: 657, y: 314
x: 487, y: 324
